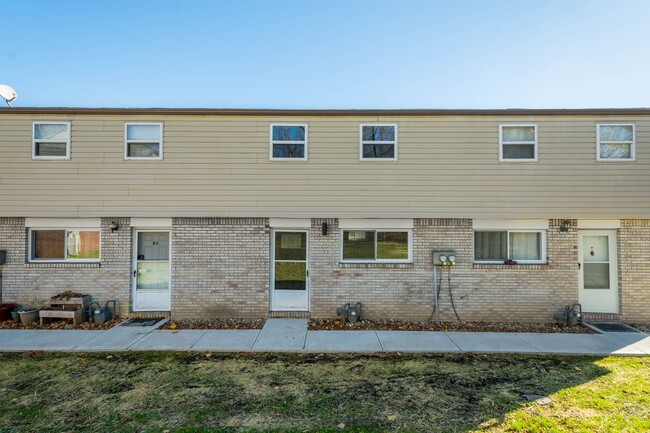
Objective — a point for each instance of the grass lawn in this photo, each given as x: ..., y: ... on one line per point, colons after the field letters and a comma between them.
x: 188, y: 392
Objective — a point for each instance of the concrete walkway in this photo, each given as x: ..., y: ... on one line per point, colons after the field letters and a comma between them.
x: 291, y: 335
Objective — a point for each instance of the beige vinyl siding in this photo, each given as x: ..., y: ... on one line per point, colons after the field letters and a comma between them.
x: 217, y: 165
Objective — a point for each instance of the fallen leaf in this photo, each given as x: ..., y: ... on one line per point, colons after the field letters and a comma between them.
x: 341, y: 426
x: 174, y: 332
x: 392, y: 417
x: 80, y: 360
x: 172, y: 326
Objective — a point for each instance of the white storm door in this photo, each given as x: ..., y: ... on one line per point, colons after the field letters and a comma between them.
x: 598, y: 277
x: 290, y: 270
x: 151, y: 271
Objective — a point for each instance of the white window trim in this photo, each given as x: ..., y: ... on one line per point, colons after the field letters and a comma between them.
x: 632, y: 143
x: 410, y: 247
x: 362, y: 142
x: 30, y: 242
x: 501, y: 143
x: 142, y: 158
x: 47, y: 140
x: 543, y: 255
x: 272, y: 142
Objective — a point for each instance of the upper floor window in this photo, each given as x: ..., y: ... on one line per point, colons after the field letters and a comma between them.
x: 378, y: 142
x: 518, y: 142
x: 143, y: 141
x: 289, y: 142
x: 51, y: 140
x: 64, y: 245
x: 615, y: 142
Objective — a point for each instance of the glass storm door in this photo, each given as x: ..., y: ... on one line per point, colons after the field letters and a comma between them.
x: 598, y: 291
x: 151, y: 290
x: 289, y: 271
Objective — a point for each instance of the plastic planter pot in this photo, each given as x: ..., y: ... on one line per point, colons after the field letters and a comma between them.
x: 28, y: 315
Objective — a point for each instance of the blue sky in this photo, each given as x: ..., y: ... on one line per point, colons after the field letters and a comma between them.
x: 327, y: 54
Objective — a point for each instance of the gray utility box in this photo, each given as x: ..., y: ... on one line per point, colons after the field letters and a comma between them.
x: 437, y: 254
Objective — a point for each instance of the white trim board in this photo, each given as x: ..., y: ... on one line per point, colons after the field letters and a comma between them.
x: 532, y: 224
x: 378, y: 223
x: 151, y: 222
x: 290, y: 223
x: 599, y: 224
x: 77, y: 223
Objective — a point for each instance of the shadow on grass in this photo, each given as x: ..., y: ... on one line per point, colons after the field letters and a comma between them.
x: 189, y: 392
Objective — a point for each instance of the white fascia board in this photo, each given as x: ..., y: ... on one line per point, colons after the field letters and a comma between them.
x: 77, y: 223
x: 290, y: 223
x: 599, y: 224
x: 519, y: 224
x: 375, y: 223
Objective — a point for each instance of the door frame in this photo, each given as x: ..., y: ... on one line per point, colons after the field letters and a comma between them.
x: 134, y: 267
x: 613, y: 267
x: 272, y: 306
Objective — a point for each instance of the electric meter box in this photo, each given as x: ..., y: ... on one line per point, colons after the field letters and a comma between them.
x: 438, y: 254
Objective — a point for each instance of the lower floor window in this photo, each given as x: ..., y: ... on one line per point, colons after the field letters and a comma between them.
x: 498, y: 246
x: 376, y: 245
x: 68, y: 244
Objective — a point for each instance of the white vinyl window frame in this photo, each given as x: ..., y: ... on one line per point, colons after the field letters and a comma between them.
x: 534, y: 143
x: 127, y: 141
x: 542, y: 246
x: 631, y: 143
x: 375, y: 260
x: 272, y: 141
x: 36, y: 141
x: 362, y: 142
x: 30, y: 245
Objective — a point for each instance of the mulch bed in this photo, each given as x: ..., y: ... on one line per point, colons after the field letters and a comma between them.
x: 398, y: 325
x: 61, y: 324
x: 214, y: 324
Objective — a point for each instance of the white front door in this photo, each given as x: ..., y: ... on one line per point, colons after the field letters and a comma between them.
x: 598, y: 277
x: 151, y: 271
x: 290, y: 270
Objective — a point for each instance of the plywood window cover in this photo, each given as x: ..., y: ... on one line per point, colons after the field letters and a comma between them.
x: 30, y: 244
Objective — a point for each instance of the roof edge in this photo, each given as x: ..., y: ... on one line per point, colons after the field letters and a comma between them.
x: 328, y: 112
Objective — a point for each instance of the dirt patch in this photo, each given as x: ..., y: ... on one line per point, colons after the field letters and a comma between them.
x: 214, y: 324
x: 67, y: 295
x: 399, y: 325
x: 61, y: 324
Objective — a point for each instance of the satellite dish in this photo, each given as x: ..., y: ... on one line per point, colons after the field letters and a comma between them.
x: 7, y: 93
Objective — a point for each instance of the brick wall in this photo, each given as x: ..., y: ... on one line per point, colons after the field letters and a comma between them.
x: 480, y: 292
x: 634, y: 270
x: 34, y: 283
x: 220, y: 267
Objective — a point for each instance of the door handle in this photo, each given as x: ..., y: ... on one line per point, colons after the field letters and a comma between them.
x: 579, y: 266
x: 135, y: 273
